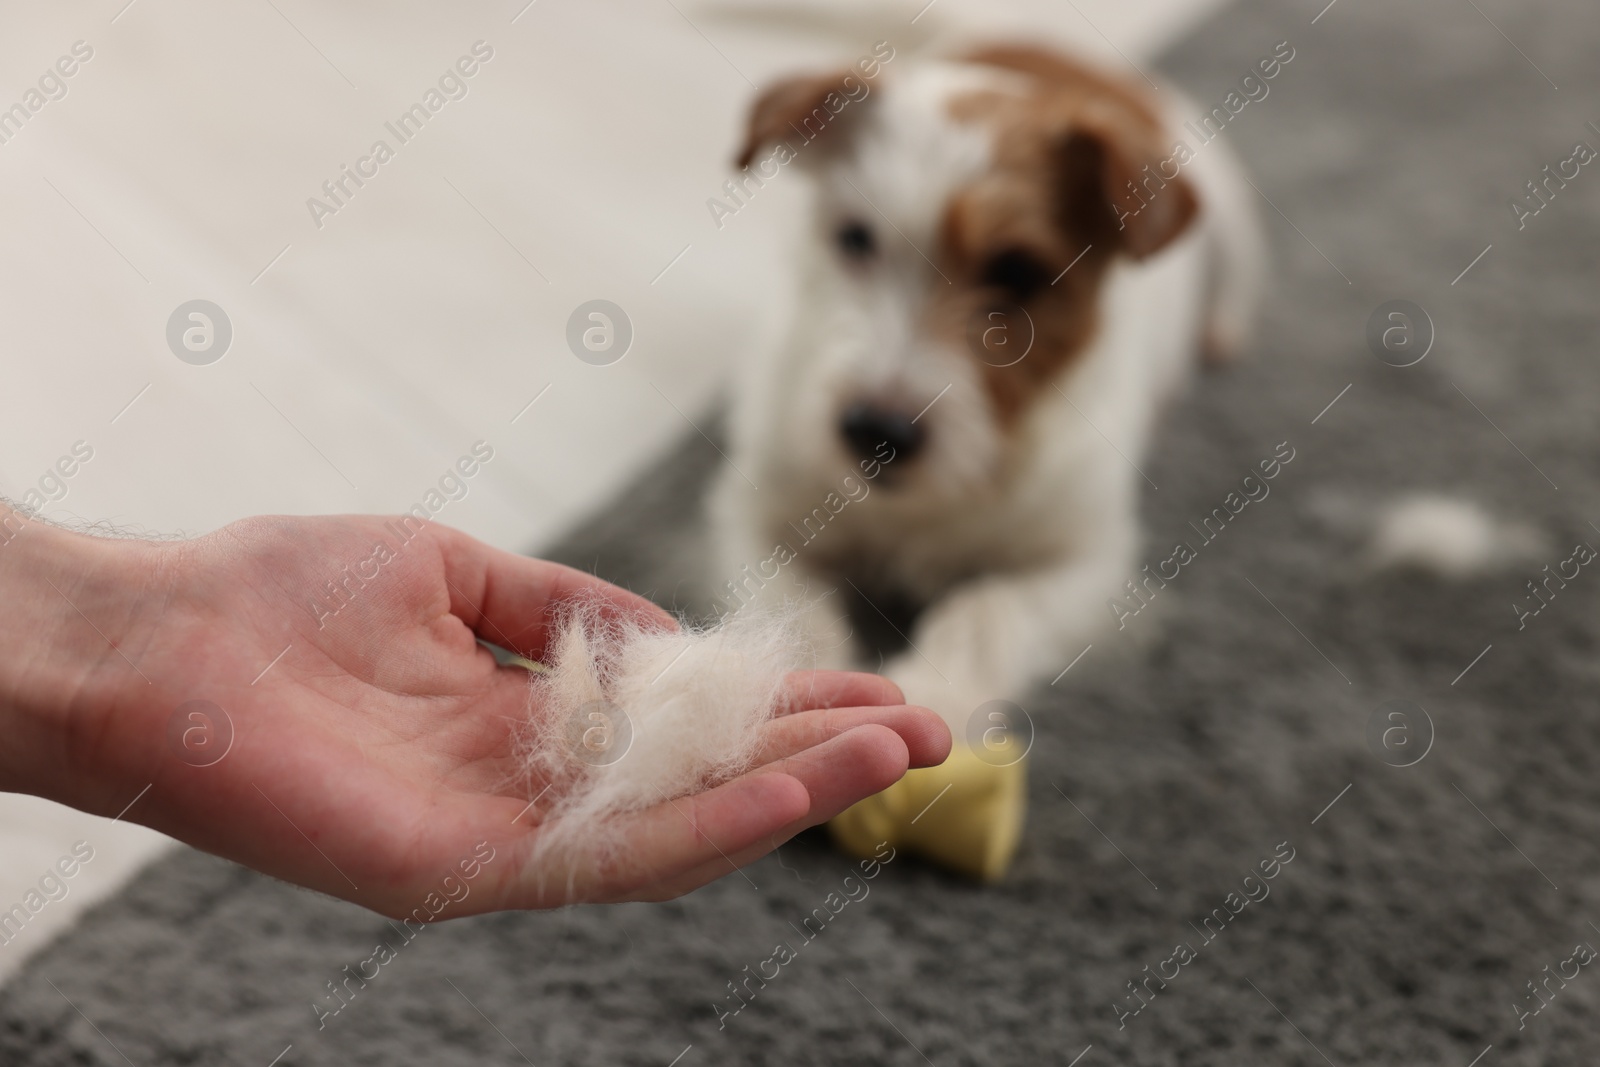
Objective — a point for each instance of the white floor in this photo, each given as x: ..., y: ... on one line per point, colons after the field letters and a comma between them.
x: 430, y: 309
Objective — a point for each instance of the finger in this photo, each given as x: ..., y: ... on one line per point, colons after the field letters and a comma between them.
x: 836, y: 774
x: 660, y: 843
x: 707, y: 873
x: 926, y: 737
x: 508, y: 599
x: 703, y: 874
x: 837, y: 689
x: 842, y: 770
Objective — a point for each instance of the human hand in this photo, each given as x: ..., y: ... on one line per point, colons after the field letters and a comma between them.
x: 371, y: 745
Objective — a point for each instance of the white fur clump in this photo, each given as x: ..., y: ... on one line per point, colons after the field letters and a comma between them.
x: 626, y: 717
x: 1448, y: 536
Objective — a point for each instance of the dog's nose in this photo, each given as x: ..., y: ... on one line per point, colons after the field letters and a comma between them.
x: 867, y: 429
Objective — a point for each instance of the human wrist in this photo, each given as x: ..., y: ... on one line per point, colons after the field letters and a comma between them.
x: 69, y: 600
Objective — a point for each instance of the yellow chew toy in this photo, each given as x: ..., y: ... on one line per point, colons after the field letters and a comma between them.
x: 964, y: 815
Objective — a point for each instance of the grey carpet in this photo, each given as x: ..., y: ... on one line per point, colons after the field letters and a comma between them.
x: 1416, y: 907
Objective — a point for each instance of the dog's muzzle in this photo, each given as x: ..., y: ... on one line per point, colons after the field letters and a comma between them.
x: 866, y: 428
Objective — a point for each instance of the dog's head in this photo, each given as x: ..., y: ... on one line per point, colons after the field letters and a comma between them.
x: 965, y: 218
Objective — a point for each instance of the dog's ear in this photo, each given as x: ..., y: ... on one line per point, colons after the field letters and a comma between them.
x: 799, y: 109
x: 1115, y: 183
x: 1109, y: 132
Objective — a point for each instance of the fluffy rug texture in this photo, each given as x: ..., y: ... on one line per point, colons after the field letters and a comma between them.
x: 1393, y: 915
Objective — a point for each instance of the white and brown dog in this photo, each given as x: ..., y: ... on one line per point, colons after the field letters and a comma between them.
x: 1007, y: 274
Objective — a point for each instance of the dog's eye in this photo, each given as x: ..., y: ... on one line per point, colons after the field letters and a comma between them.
x: 1017, y: 272
x: 855, y: 240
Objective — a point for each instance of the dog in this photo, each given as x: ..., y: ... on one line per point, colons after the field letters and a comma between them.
x: 1004, y: 276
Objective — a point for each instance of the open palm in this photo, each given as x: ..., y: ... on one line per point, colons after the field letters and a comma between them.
x: 308, y: 696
